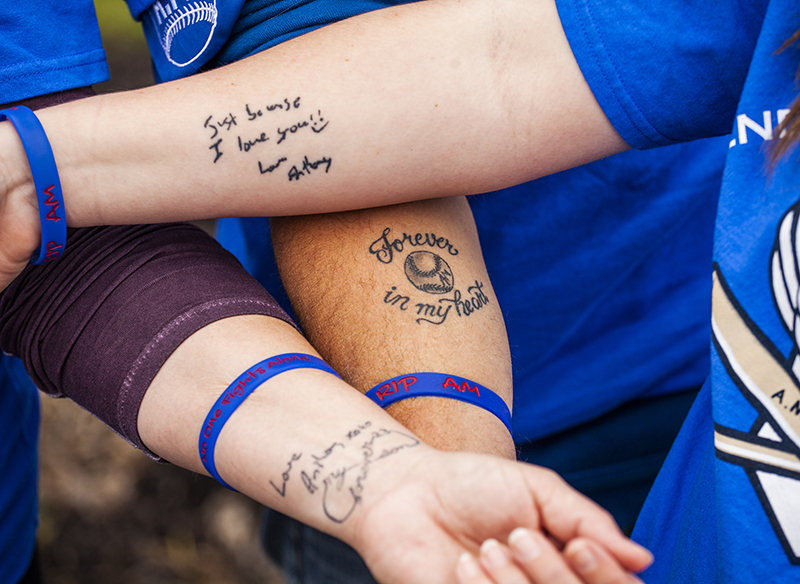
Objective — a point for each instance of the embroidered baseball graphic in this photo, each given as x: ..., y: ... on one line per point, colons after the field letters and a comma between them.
x: 770, y: 451
x: 429, y: 272
x: 185, y: 29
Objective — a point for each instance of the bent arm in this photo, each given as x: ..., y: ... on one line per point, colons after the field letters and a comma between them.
x: 439, y: 97
x: 357, y: 290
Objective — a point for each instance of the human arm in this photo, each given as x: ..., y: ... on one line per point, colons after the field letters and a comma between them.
x: 416, y: 512
x: 354, y: 295
x: 97, y: 335
x: 492, y: 85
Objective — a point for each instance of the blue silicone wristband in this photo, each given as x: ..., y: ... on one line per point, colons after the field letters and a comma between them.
x: 45, y: 180
x: 440, y: 385
x: 238, y: 391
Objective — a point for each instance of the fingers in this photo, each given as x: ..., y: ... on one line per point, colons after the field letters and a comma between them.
x: 497, y: 561
x: 538, y: 558
x: 495, y: 566
x: 568, y: 515
x: 595, y: 565
x: 468, y: 571
x: 531, y: 558
x: 581, y: 561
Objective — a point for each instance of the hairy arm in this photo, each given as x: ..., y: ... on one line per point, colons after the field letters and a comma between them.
x: 399, y: 290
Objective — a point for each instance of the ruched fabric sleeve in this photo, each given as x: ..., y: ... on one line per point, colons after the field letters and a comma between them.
x: 97, y: 324
x: 666, y: 71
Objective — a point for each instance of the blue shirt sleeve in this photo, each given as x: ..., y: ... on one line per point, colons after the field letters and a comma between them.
x: 51, y: 47
x: 664, y: 72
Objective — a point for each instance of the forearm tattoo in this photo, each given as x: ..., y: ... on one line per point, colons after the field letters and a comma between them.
x: 338, y: 475
x: 424, y: 258
x: 259, y: 132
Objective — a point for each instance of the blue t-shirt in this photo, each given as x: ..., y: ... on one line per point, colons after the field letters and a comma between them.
x: 578, y: 262
x: 19, y: 439
x: 726, y: 505
x: 266, y: 23
x: 48, y: 47
x: 700, y: 51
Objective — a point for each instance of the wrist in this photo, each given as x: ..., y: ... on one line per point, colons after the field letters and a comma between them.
x: 18, y: 194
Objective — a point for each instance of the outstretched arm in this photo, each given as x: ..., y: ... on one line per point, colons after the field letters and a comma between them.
x: 431, y: 98
x: 307, y: 445
x: 400, y: 290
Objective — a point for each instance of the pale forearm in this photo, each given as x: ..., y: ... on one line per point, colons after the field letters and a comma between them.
x: 273, y: 447
x: 362, y: 306
x: 433, y: 97
x: 308, y: 445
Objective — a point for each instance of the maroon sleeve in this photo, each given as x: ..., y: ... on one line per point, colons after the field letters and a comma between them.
x: 97, y: 324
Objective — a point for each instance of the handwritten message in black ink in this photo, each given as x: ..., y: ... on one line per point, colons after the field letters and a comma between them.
x: 338, y: 475
x: 261, y: 130
x: 286, y: 475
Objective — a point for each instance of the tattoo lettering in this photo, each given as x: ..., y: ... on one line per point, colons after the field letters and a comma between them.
x: 384, y: 248
x: 428, y: 272
x: 341, y: 472
x: 353, y: 433
x: 271, y: 167
x: 437, y: 314
x: 316, y: 126
x: 248, y: 144
x: 271, y: 130
x: 228, y: 122
x: 217, y: 151
x: 396, y: 299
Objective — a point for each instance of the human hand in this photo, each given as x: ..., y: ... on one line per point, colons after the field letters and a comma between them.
x: 447, y: 505
x: 530, y: 557
x: 19, y: 212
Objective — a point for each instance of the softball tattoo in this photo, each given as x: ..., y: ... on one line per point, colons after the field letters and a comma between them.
x: 429, y: 273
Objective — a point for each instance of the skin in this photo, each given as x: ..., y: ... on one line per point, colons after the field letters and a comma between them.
x: 492, y: 84
x: 347, y: 317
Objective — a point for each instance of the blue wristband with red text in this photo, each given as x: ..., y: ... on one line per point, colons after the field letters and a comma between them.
x: 238, y: 391
x: 45, y: 180
x: 440, y: 385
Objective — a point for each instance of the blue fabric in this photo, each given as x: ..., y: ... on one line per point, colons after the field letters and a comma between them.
x: 183, y: 35
x: 19, y: 420
x: 685, y: 544
x: 578, y: 263
x: 700, y: 51
x: 47, y: 48
x: 726, y: 506
x: 266, y: 23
